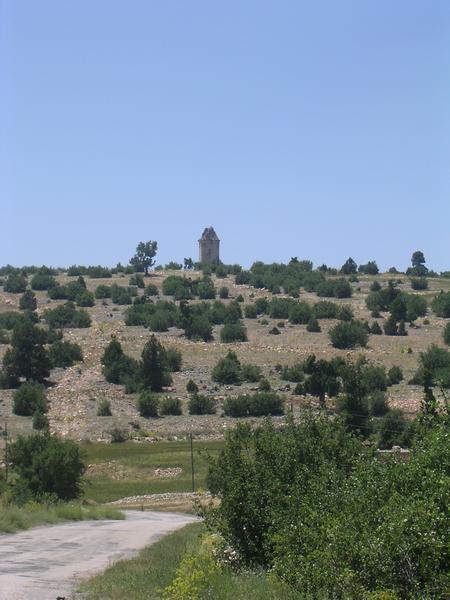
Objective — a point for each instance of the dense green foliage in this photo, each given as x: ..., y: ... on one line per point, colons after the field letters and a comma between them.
x: 15, y: 284
x: 227, y: 370
x: 441, y: 304
x: 233, y: 332
x: 201, y: 405
x: 28, y: 301
x: 27, y: 358
x: 316, y: 507
x: 148, y: 404
x: 46, y: 468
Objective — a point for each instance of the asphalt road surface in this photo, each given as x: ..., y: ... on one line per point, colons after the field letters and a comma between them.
x: 46, y: 562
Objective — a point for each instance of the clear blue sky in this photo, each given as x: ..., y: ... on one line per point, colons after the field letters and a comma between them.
x: 310, y: 129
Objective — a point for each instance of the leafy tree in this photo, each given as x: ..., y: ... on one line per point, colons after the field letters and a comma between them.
x: 27, y: 358
x: 42, y: 281
x: 371, y: 268
x: 198, y: 328
x: 349, y: 267
x: 29, y: 398
x: 323, y: 380
x: 47, y: 466
x: 154, y: 369
x: 145, y: 253
x: 417, y: 258
x: 148, y: 404
x: 348, y: 335
x: 394, y: 429
x: 28, y: 301
x: 188, y: 263
x: 206, y: 289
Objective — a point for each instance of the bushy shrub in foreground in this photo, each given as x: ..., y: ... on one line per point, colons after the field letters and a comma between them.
x: 170, y: 406
x: 148, y: 404
x: 288, y: 503
x: 46, y: 467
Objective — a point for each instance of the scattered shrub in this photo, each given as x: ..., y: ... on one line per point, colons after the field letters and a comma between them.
x: 150, y: 290
x: 300, y: 313
x: 394, y: 430
x: 274, y: 331
x: 441, y: 304
x: 419, y: 283
x: 15, y: 284
x: 102, y: 292
x: 199, y: 328
x: 28, y: 301
x: 264, y: 385
x: 137, y: 280
x: 29, y: 398
x: 348, y: 335
x: 40, y: 421
x: 174, y: 359
x: 233, y: 332
x: 378, y: 405
x: 251, y: 373
x: 104, y: 408
x: 395, y: 375
x: 255, y: 405
x: 313, y: 326
x: 85, y: 298
x: 65, y: 354
x: 148, y: 404
x: 250, y: 311
x: 42, y: 281
x: 223, y: 292
x: 227, y: 370
x: 201, y: 405
x: 325, y: 310
x: 118, y: 435
x: 191, y: 387
x: 375, y: 328
x: 66, y: 315
x: 170, y: 406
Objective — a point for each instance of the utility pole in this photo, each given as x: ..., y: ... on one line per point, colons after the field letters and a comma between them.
x: 192, y: 462
x: 5, y: 433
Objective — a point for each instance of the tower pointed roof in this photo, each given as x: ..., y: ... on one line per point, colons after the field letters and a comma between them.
x: 209, y: 235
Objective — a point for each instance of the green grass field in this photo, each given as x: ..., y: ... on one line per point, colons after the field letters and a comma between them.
x: 120, y: 470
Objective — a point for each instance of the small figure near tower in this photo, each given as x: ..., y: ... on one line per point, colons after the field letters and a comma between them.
x: 208, y: 246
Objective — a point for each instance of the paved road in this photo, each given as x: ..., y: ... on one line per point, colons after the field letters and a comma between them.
x: 46, y: 562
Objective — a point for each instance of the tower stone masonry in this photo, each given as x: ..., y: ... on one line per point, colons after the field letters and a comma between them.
x: 208, y: 246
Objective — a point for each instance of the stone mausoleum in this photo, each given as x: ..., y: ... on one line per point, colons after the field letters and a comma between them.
x: 208, y: 245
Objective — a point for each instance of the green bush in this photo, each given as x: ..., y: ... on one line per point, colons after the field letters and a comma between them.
x: 201, y: 405
x: 118, y: 435
x: 28, y: 398
x: 345, y: 313
x: 174, y: 359
x: 300, y: 313
x: 378, y: 405
x: 325, y: 310
x: 441, y: 304
x: 348, y: 334
x: 313, y: 326
x: 102, y: 292
x: 40, y: 421
x: 255, y: 405
x: 394, y: 430
x: 233, y: 332
x: 148, y: 404
x: 227, y: 370
x: 137, y: 280
x: 264, y: 385
x: 47, y: 466
x: 446, y: 334
x: 395, y: 375
x: 199, y: 328
x: 153, y: 371
x: 223, y: 292
x: 434, y: 367
x: 85, y: 298
x: 251, y: 373
x: 27, y: 358
x: 122, y: 295
x: 42, y: 281
x: 65, y: 354
x: 419, y: 283
x: 15, y: 284
x: 4, y: 337
x: 191, y: 387
x: 250, y: 311
x: 170, y: 406
x: 28, y: 301
x: 375, y: 328
x: 274, y: 331
x: 104, y: 408
x: 150, y: 290
x: 66, y: 315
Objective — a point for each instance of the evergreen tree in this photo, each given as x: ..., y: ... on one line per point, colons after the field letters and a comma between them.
x: 27, y: 358
x: 154, y: 372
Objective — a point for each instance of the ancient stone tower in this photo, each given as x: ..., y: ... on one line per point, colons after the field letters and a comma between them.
x: 208, y: 245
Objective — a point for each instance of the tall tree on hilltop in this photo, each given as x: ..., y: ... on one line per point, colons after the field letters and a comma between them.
x: 145, y: 253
